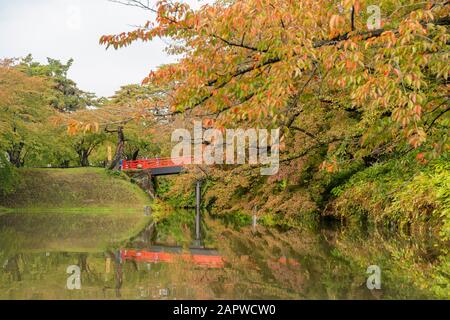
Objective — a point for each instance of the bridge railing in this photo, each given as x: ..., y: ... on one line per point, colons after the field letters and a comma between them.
x: 155, y: 163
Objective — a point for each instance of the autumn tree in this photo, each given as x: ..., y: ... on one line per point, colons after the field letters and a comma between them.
x: 24, y: 110
x: 139, y: 134
x: 358, y: 96
x: 273, y: 63
x: 66, y: 96
x: 128, y: 119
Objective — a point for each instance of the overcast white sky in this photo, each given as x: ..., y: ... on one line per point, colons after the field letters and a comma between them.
x: 63, y: 29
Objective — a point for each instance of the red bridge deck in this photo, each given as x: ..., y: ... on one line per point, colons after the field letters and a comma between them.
x: 155, y: 163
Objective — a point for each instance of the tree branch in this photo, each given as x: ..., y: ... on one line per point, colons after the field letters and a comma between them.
x: 437, y: 117
x: 304, y: 132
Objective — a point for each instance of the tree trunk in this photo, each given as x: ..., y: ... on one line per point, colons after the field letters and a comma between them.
x: 65, y: 163
x: 15, y: 153
x: 118, y: 272
x: 84, y: 158
x: 12, y: 266
x: 135, y: 155
x: 115, y: 163
x: 82, y: 262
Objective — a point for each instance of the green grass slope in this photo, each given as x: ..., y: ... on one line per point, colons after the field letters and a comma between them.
x: 73, y: 189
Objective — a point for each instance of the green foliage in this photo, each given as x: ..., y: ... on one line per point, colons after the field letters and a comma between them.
x: 116, y: 173
x: 177, y: 227
x: 65, y: 96
x: 139, y: 142
x: 84, y: 144
x: 8, y: 175
x: 400, y: 190
x: 179, y: 198
x: 135, y: 93
x: 425, y: 198
x: 164, y: 185
x: 139, y: 134
x: 24, y: 112
x: 32, y: 95
x: 236, y: 219
x: 281, y: 185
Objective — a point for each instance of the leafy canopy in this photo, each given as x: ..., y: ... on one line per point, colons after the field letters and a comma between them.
x: 267, y: 62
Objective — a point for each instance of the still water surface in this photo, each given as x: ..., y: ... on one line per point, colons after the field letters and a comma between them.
x: 125, y: 256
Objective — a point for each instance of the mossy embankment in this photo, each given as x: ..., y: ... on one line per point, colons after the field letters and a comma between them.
x: 78, y: 189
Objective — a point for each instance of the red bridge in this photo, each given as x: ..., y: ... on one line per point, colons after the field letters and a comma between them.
x: 200, y: 257
x: 157, y: 166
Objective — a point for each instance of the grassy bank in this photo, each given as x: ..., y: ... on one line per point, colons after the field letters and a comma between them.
x: 76, y: 190
x: 99, y: 209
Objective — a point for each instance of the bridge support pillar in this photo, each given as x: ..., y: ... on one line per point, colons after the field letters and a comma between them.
x: 254, y: 219
x: 197, y: 210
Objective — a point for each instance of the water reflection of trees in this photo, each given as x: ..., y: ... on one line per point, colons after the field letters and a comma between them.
x: 297, y: 264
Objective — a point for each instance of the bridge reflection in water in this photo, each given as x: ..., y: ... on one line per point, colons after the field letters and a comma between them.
x: 209, y: 258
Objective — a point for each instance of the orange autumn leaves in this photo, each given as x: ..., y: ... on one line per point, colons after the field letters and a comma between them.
x: 74, y: 127
x: 263, y: 62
